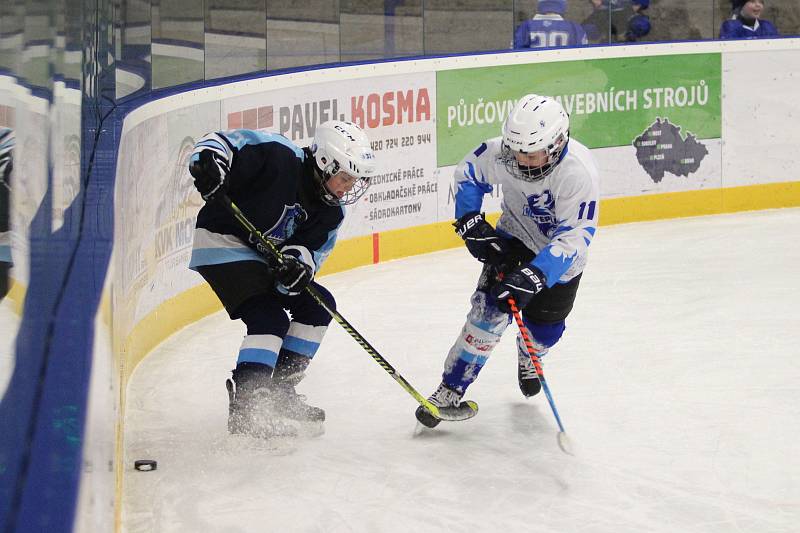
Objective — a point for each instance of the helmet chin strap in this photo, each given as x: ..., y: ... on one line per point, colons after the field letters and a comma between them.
x: 321, y: 178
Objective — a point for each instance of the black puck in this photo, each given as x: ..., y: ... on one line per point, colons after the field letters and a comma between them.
x: 145, y: 465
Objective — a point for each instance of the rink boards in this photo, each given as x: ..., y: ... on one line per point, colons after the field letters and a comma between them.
x: 725, y: 112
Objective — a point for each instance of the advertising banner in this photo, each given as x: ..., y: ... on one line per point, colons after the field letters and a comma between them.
x: 157, y: 207
x: 649, y: 120
x: 653, y: 122
x: 398, y: 114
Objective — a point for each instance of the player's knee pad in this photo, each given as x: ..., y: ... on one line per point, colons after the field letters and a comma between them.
x: 545, y: 335
x: 307, y: 310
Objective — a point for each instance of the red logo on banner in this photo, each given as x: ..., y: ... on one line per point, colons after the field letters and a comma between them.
x: 252, y: 119
x: 390, y: 108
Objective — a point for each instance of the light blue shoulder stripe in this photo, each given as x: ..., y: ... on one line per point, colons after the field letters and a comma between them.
x: 242, y: 138
x: 5, y: 254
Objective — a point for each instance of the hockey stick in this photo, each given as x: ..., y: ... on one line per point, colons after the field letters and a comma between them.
x: 563, y: 441
x: 275, y: 254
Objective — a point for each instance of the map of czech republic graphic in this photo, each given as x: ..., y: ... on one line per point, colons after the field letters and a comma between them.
x: 661, y: 148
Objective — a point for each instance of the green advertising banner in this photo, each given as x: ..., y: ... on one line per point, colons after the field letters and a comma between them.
x: 610, y: 101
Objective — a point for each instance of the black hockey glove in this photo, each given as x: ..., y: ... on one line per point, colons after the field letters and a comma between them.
x: 209, y: 171
x: 481, y: 239
x: 522, y: 284
x: 292, y: 275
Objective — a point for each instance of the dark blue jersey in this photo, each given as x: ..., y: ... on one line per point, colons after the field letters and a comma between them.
x: 547, y: 31
x: 735, y: 29
x: 272, y: 181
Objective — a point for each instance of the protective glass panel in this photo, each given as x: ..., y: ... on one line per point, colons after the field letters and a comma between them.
x: 376, y: 29
x: 453, y: 26
x: 302, y: 33
x: 133, y: 47
x: 236, y: 41
x: 178, y: 42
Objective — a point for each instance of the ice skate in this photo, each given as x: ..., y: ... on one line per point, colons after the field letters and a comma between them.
x: 450, y: 407
x: 251, y: 411
x: 292, y: 409
x: 289, y: 404
x: 526, y: 375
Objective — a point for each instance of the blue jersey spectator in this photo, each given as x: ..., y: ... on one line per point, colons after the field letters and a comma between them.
x: 548, y: 28
x: 639, y: 23
x: 747, y: 22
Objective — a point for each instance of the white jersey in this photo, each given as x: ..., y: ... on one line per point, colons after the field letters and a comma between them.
x: 556, y: 217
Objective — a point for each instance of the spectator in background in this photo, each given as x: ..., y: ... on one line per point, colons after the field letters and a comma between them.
x: 608, y: 20
x: 639, y: 23
x: 746, y: 22
x: 548, y: 28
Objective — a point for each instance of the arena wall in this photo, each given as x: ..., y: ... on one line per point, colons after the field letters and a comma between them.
x: 678, y: 130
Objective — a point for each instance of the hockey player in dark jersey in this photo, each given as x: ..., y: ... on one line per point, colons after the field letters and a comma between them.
x: 747, y: 22
x: 295, y: 197
x: 548, y: 28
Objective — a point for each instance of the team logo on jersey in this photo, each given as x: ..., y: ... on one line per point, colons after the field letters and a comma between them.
x: 541, y: 208
x: 293, y: 215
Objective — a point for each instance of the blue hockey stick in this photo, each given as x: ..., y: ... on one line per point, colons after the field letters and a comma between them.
x: 563, y: 441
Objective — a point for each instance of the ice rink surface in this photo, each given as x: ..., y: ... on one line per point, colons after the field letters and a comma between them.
x: 677, y: 380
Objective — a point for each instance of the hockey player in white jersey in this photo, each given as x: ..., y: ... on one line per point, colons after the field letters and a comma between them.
x: 537, y: 252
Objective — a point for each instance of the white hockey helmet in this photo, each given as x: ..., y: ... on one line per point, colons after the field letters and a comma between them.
x: 343, y: 146
x: 535, y: 124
